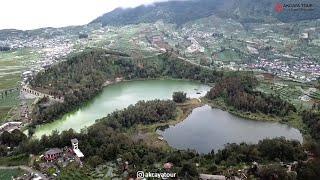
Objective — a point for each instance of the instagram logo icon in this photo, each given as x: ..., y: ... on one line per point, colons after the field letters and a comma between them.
x: 140, y: 174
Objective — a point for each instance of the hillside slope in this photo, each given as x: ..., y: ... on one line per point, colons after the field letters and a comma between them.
x: 180, y: 12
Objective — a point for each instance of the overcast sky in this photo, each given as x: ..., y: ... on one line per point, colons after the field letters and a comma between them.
x: 31, y: 14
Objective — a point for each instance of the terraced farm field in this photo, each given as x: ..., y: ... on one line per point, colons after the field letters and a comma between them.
x: 12, y: 64
x: 315, y: 95
x: 288, y: 91
x: 10, y: 70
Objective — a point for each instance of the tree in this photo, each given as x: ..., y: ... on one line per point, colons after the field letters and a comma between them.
x: 94, y: 161
x: 12, y: 139
x: 309, y: 170
x: 83, y: 36
x: 274, y: 172
x: 31, y: 131
x: 187, y: 170
x: 3, y: 150
x: 179, y: 97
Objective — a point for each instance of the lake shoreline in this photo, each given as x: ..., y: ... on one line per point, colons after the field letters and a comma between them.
x: 147, y: 79
x: 150, y: 131
x: 154, y: 139
x: 298, y: 124
x: 219, y: 128
x: 160, y: 88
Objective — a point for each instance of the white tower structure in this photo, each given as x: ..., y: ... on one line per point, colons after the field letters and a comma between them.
x: 75, y: 148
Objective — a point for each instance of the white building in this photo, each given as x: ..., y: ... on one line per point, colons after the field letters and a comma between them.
x: 75, y: 148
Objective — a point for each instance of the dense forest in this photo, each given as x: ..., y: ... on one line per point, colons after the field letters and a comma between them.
x: 141, y: 113
x: 98, y: 149
x: 238, y: 91
x: 83, y: 75
x: 312, y: 119
x: 12, y: 139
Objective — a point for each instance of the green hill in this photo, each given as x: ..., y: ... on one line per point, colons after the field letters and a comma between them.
x: 180, y: 12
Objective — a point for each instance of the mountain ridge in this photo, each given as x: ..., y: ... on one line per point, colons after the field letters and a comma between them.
x: 180, y: 12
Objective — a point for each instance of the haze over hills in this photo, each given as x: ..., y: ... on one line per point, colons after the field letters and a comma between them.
x: 169, y: 85
x: 180, y: 12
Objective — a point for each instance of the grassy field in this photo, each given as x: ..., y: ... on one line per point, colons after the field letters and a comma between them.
x: 7, y: 104
x: 10, y: 100
x: 8, y: 174
x: 14, y: 160
x: 10, y: 70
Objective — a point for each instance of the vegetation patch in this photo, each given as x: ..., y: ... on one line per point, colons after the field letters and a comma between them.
x: 15, y: 160
x: 7, y: 174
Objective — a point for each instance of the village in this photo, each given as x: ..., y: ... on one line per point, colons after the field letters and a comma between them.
x: 50, y: 163
x: 213, y: 42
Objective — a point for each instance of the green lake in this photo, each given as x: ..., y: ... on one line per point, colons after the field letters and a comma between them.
x: 119, y: 96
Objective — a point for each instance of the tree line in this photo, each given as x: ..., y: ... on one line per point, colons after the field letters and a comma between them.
x: 311, y: 169
x: 311, y: 118
x: 237, y: 90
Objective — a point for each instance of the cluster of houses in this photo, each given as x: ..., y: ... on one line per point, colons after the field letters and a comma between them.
x: 195, y: 46
x: 56, y: 157
x: 306, y: 71
x: 52, y: 161
x: 56, y: 153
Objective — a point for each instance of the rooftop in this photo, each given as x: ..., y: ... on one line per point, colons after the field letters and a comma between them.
x: 73, y: 141
x: 78, y: 153
x: 53, y: 151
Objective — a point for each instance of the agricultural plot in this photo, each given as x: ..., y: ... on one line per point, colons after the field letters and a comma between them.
x: 10, y: 70
x: 315, y: 95
x: 229, y: 56
x: 12, y: 64
x: 7, y: 103
x: 289, y: 91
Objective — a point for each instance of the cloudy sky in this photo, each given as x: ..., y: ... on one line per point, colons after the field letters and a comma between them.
x: 31, y: 14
